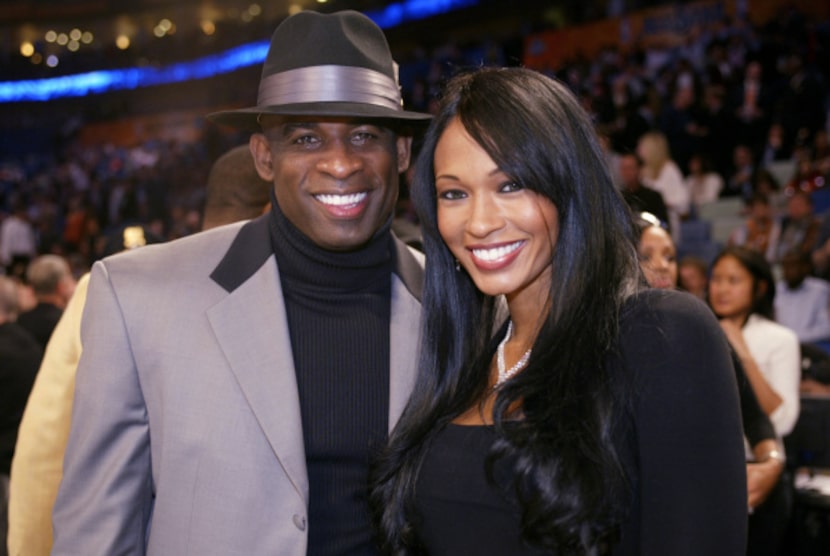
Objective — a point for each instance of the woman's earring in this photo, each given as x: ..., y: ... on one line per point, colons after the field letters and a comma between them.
x: 457, y: 266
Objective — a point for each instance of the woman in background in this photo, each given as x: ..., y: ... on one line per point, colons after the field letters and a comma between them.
x: 576, y: 429
x: 662, y: 174
x: 741, y: 293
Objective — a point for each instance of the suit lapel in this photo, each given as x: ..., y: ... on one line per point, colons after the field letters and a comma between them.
x: 251, y: 328
x: 407, y: 283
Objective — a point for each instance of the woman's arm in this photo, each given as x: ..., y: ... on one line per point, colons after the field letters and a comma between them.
x: 769, y: 399
x: 693, y: 486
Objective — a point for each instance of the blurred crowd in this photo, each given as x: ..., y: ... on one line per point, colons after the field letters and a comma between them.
x: 730, y: 100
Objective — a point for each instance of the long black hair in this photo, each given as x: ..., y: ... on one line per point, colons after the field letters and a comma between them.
x: 567, y: 476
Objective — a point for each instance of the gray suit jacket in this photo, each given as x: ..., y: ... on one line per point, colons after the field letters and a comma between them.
x: 186, y: 434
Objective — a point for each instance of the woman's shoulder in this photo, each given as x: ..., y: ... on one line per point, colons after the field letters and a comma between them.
x: 668, y: 307
x: 671, y: 339
x: 762, y: 326
x: 667, y: 320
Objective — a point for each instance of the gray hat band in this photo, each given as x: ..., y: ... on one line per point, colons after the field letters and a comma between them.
x: 330, y: 84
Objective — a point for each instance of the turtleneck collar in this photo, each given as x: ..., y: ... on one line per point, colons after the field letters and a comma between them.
x: 302, y: 262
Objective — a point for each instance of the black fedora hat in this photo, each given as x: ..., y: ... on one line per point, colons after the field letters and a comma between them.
x: 336, y: 64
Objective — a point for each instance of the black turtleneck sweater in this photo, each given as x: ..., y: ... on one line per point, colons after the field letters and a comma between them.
x: 338, y: 308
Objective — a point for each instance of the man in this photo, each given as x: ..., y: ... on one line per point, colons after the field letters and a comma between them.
x: 639, y: 197
x: 51, y: 279
x: 802, y: 302
x: 234, y: 192
x: 233, y: 383
x: 234, y: 189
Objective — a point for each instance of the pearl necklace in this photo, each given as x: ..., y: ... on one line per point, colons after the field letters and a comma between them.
x: 506, y: 374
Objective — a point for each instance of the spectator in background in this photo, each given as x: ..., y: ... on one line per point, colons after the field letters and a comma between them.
x: 639, y: 197
x: 658, y: 255
x: 19, y: 358
x: 802, y: 301
x: 821, y: 251
x: 742, y: 294
x: 799, y: 227
x: 776, y: 148
x: 806, y: 176
x: 53, y: 284
x: 659, y: 172
x: 235, y: 191
x: 703, y: 183
x: 752, y: 101
x: 739, y: 183
x: 761, y: 229
x: 18, y: 243
x: 716, y: 128
x: 678, y: 123
x: 693, y: 276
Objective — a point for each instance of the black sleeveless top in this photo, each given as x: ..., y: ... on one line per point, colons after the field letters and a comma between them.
x: 465, y: 513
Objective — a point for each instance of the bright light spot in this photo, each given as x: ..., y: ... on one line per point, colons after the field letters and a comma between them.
x: 75, y: 34
x: 158, y: 31
x: 122, y: 42
x: 255, y: 9
x: 62, y: 39
x: 73, y: 46
x: 27, y: 49
x: 246, y: 17
x: 294, y: 9
x: 52, y: 61
x: 87, y: 37
x: 51, y: 36
x: 208, y: 27
x: 165, y: 24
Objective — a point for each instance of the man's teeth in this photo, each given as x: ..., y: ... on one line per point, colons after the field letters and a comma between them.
x: 341, y: 200
x: 496, y: 253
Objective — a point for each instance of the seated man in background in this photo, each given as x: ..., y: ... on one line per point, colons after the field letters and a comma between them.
x: 802, y: 301
x: 51, y: 279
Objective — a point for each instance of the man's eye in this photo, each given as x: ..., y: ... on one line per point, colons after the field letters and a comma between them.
x: 363, y: 137
x: 306, y: 140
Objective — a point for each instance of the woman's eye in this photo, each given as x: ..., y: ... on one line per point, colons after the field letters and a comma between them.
x: 451, y: 194
x: 511, y: 186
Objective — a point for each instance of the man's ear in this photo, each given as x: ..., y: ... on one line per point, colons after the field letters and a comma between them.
x: 263, y: 160
x: 404, y: 145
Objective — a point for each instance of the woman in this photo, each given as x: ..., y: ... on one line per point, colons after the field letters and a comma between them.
x: 741, y: 293
x: 765, y: 462
x: 658, y: 255
x: 578, y: 427
x: 693, y: 275
x: 703, y: 183
x: 662, y: 174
